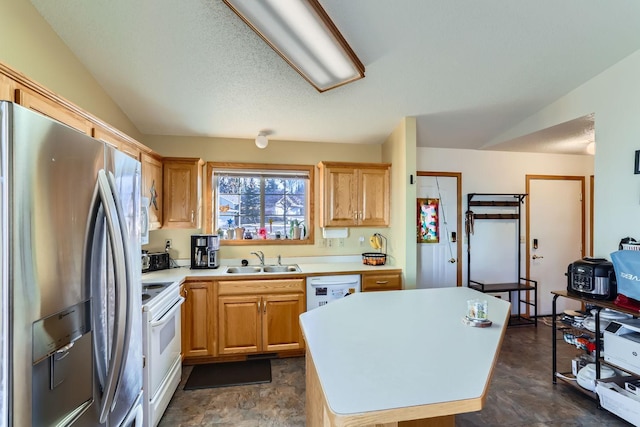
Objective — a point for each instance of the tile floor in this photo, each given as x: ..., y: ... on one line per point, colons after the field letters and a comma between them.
x: 520, y: 394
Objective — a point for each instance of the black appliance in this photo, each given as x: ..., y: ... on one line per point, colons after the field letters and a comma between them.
x: 592, y: 278
x: 204, y: 250
x: 156, y: 261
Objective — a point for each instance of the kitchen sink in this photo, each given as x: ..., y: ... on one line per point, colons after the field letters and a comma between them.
x: 244, y: 270
x: 291, y: 268
x: 280, y: 268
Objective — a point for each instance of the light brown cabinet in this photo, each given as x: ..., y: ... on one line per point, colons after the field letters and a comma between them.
x: 49, y: 108
x: 182, y: 186
x: 354, y: 194
x: 382, y: 281
x: 198, y: 319
x: 152, y: 187
x: 117, y: 141
x: 7, y: 88
x: 257, y: 316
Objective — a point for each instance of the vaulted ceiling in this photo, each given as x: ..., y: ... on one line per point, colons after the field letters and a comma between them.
x: 468, y: 70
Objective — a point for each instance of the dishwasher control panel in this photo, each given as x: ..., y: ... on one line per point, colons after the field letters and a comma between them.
x: 321, y: 290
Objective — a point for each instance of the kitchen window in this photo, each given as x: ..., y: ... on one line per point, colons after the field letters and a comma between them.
x: 268, y: 203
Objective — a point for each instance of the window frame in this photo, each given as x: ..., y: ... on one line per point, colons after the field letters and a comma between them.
x: 211, y: 192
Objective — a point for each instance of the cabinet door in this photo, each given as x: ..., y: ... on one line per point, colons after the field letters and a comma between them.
x: 197, y: 325
x: 340, y: 202
x: 280, y: 324
x: 381, y: 282
x: 35, y: 102
x: 374, y: 197
x: 152, y: 188
x: 181, y: 185
x: 116, y: 141
x: 239, y: 324
x: 7, y: 88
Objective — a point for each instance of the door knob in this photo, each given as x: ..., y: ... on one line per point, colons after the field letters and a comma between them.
x: 537, y: 257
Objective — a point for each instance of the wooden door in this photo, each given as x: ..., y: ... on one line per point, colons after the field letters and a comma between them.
x: 438, y: 264
x: 33, y: 101
x: 151, y: 170
x: 340, y: 197
x: 239, y: 324
x: 374, y: 197
x: 280, y: 324
x: 555, y: 217
x: 181, y: 186
x: 197, y: 320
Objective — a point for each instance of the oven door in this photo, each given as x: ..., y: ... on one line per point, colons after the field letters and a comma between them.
x: 164, y: 344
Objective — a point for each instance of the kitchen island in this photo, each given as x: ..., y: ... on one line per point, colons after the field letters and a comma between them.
x: 399, y: 358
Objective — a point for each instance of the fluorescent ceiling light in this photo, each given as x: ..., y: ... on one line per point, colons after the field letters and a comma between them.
x: 302, y: 33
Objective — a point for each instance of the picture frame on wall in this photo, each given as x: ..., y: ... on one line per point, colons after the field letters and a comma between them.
x: 427, y: 220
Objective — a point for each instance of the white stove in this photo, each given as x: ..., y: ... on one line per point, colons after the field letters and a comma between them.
x: 161, y: 303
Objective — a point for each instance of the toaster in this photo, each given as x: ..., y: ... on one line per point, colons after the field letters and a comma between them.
x: 157, y: 261
x: 592, y: 278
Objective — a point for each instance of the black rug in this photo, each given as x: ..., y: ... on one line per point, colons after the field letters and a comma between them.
x: 229, y: 374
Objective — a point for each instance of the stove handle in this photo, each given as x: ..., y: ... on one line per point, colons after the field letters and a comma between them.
x: 168, y: 315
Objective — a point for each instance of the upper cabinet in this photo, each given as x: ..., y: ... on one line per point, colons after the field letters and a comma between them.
x: 117, y: 141
x: 182, y: 185
x: 152, y: 187
x: 49, y: 108
x: 354, y: 194
x: 7, y: 88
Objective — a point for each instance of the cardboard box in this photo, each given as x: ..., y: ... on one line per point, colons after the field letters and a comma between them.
x: 615, y: 399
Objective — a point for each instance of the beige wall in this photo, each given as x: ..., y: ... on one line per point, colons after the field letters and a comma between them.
x: 284, y: 152
x: 400, y: 150
x: 29, y: 45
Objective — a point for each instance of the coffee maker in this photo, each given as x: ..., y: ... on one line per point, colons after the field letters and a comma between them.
x: 204, y: 250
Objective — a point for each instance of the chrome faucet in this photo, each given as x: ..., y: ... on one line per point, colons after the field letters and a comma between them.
x: 260, y: 256
x: 279, y: 260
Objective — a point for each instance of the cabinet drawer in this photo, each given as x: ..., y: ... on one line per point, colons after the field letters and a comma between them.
x: 245, y: 287
x: 381, y: 282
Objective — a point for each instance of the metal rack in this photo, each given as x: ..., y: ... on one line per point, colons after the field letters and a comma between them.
x: 522, y: 286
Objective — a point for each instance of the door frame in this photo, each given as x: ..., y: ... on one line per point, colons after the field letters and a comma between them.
x: 458, y: 177
x: 528, y: 179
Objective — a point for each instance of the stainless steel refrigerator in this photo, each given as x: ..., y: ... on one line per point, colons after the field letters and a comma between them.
x: 70, y: 326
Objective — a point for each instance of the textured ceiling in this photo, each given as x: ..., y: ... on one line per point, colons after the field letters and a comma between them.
x: 467, y: 70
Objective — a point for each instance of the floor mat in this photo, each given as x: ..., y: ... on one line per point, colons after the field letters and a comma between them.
x: 229, y: 374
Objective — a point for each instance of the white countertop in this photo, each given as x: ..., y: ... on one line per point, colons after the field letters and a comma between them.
x: 179, y: 274
x: 385, y: 350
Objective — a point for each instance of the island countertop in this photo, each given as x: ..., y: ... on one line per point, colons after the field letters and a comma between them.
x: 401, y: 355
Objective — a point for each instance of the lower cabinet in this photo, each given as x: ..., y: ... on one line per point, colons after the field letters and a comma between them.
x: 198, y: 319
x: 260, y: 316
x: 383, y: 281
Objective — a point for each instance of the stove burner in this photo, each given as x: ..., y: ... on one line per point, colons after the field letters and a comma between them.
x: 145, y: 297
x: 155, y: 286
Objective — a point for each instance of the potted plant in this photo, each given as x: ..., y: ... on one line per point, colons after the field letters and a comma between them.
x: 296, y: 229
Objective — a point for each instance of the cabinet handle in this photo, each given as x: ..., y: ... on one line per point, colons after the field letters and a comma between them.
x: 355, y: 216
x: 361, y: 215
x: 193, y: 216
x: 264, y: 307
x: 184, y: 292
x: 259, y: 309
x: 381, y: 282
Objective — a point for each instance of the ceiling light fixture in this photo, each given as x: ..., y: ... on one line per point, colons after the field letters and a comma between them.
x: 302, y: 33
x: 261, y: 140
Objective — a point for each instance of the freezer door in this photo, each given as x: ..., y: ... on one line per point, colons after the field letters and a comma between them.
x: 50, y: 172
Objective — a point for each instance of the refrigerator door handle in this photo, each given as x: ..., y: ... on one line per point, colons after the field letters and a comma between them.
x: 105, y: 190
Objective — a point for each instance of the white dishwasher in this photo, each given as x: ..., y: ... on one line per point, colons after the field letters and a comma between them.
x: 322, y: 290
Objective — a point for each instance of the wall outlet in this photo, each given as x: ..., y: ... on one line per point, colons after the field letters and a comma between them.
x: 341, y: 243
x: 322, y: 242
x: 167, y: 244
x: 361, y: 240
x: 329, y: 243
